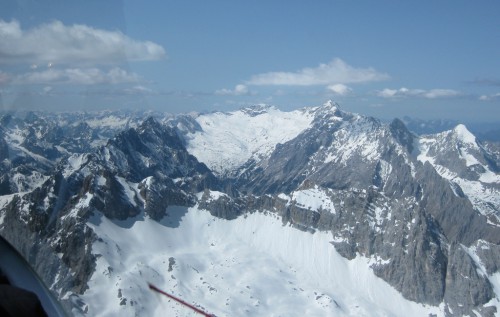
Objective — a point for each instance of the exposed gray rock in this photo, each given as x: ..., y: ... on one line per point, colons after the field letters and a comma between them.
x: 4, y: 148
x: 159, y: 195
x: 221, y: 206
x: 402, y: 134
x: 455, y: 214
x: 465, y: 287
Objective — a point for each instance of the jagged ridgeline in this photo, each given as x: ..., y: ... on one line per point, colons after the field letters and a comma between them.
x: 419, y: 214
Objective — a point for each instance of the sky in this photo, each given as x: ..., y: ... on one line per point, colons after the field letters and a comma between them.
x: 425, y: 59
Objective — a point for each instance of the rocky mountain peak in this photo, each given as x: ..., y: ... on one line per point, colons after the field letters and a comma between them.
x: 330, y: 104
x: 152, y: 131
x: 151, y: 125
x: 256, y: 110
x: 331, y: 107
x: 330, y: 112
x: 401, y: 133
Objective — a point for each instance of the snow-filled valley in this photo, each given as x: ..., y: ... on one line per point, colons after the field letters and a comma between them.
x: 251, y: 266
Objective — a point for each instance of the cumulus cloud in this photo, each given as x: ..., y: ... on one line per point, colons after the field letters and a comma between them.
x: 76, y: 44
x: 429, y: 94
x: 238, y: 90
x: 339, y: 89
x: 337, y: 71
x: 81, y: 76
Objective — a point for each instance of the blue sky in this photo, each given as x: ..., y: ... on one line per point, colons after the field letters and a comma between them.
x: 426, y: 59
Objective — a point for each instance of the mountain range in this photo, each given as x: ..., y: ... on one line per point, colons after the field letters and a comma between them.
x: 254, y: 212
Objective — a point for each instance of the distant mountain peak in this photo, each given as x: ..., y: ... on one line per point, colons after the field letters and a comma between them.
x: 150, y: 122
x: 401, y: 133
x: 329, y: 109
x: 331, y: 104
x: 258, y: 109
x: 464, y: 135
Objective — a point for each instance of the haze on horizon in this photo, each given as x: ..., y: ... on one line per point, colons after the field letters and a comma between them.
x: 386, y: 59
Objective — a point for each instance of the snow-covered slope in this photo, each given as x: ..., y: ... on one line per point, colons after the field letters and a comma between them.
x: 251, y: 266
x: 227, y: 140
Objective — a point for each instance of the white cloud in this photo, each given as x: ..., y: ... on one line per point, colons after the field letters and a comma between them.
x: 441, y: 93
x: 429, y: 94
x: 81, y: 76
x: 489, y: 97
x: 238, y: 90
x: 339, y: 89
x: 337, y: 71
x: 387, y: 93
x: 56, y: 43
x: 138, y: 89
x: 401, y: 92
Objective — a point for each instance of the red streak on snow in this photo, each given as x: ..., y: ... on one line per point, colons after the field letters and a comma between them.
x: 196, y: 309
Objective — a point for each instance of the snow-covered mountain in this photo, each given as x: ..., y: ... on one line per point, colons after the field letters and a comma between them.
x: 486, y: 131
x: 255, y: 212
x: 471, y: 169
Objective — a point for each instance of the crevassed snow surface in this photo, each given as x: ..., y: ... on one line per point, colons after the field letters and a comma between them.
x: 230, y: 139
x: 251, y: 266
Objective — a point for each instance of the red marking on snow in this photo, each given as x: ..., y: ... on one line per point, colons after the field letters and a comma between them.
x: 196, y: 309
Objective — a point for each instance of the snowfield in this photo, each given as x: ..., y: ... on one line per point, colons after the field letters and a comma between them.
x: 230, y: 139
x: 314, y: 198
x: 251, y: 266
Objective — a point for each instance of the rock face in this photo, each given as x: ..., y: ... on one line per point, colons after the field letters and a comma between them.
x: 424, y: 209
